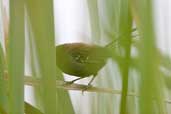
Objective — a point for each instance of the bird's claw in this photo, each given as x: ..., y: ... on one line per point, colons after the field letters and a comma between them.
x: 84, y: 89
x: 68, y: 82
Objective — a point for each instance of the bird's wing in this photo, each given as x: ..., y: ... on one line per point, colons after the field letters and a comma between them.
x: 87, y: 53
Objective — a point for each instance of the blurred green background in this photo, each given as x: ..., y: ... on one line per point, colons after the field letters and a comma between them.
x: 139, y: 69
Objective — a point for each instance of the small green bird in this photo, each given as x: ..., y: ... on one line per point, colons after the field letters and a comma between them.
x: 81, y: 60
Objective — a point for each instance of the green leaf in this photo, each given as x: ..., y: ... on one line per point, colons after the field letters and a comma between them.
x: 151, y: 84
x: 40, y: 13
x: 54, y: 101
x: 3, y: 83
x: 16, y: 57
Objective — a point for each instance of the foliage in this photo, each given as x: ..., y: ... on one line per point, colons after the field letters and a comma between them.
x: 134, y: 81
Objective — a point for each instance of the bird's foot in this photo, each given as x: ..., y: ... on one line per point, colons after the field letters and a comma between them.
x: 86, y: 88
x: 69, y: 82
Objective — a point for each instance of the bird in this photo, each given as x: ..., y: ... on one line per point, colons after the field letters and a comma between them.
x: 82, y: 60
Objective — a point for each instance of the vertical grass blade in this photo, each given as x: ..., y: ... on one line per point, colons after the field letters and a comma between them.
x: 3, y: 84
x: 125, y: 28
x: 64, y: 102
x: 40, y: 13
x: 94, y: 19
x: 151, y: 86
x: 115, y: 20
x: 64, y: 105
x: 16, y: 57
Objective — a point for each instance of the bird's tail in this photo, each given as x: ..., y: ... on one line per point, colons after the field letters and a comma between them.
x: 112, y: 43
x: 117, y: 39
x: 112, y: 46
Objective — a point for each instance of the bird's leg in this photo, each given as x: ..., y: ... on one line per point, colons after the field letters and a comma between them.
x: 71, y: 82
x: 89, y: 84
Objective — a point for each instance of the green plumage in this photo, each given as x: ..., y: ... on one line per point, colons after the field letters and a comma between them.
x: 81, y: 60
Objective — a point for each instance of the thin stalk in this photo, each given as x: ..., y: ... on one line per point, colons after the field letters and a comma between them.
x: 125, y: 28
